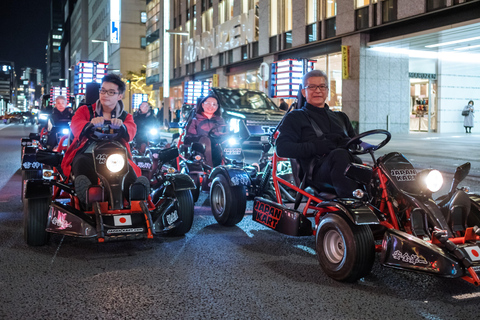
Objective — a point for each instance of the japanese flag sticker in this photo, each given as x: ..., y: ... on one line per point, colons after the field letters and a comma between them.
x: 473, y: 253
x: 122, y: 220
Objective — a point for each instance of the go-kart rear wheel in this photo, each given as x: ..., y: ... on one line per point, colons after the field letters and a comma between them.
x: 228, y: 203
x: 185, y: 206
x: 35, y: 216
x: 346, y: 251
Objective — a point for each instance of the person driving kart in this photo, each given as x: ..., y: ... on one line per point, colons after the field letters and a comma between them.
x: 207, y: 127
x: 145, y: 120
x: 60, y: 114
x: 78, y: 158
x: 322, y: 155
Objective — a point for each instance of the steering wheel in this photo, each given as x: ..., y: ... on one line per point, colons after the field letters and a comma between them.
x: 103, y: 133
x: 356, y: 141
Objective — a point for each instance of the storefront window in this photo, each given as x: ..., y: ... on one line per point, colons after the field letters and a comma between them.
x: 153, y: 53
x: 248, y: 5
x: 273, y: 18
x: 207, y: 23
x: 361, y: 3
x: 332, y: 65
x: 225, y: 11
x: 312, y: 11
x: 247, y: 80
x: 287, y: 15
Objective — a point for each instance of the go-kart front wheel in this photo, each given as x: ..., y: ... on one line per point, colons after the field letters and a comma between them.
x: 185, y: 213
x: 346, y: 251
x: 228, y: 203
x: 35, y: 216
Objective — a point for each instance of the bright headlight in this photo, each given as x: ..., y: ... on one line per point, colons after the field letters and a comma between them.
x: 115, y: 162
x: 434, y: 180
x: 232, y: 141
x: 43, y: 117
x: 153, y: 132
x: 65, y: 131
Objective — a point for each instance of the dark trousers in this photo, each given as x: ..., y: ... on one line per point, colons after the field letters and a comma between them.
x: 213, y: 153
x: 82, y: 164
x: 331, y: 171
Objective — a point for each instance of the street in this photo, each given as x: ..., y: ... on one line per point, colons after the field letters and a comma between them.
x: 213, y: 272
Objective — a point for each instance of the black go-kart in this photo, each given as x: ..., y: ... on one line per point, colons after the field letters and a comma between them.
x: 51, y: 203
x: 393, y: 214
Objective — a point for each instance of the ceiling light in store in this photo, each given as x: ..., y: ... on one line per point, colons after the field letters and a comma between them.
x: 467, y: 48
x: 451, y: 42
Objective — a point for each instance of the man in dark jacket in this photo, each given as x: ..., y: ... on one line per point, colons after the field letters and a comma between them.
x: 58, y: 120
x: 145, y: 120
x: 298, y: 139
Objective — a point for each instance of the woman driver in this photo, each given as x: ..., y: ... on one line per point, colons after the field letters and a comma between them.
x: 208, y: 119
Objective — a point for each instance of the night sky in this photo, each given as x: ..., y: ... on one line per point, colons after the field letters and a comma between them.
x: 24, y: 28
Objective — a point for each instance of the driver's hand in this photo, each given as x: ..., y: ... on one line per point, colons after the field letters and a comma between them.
x: 98, y: 121
x: 366, y: 146
x: 116, y: 123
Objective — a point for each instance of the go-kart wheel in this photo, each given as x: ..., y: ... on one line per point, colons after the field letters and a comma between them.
x: 346, y: 252
x: 356, y: 140
x: 228, y: 203
x: 35, y: 216
x: 29, y: 175
x: 196, y: 191
x: 184, y: 209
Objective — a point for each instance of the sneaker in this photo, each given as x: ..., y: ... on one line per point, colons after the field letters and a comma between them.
x: 81, y: 187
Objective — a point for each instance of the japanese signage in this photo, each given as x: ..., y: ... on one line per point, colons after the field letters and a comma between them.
x: 286, y: 76
x: 115, y: 21
x: 194, y: 90
x: 345, y: 62
x: 58, y: 91
x: 87, y: 72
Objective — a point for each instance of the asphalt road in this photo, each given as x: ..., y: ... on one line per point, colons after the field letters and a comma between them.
x: 214, y: 272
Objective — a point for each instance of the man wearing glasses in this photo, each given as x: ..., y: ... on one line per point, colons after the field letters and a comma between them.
x: 78, y: 158
x: 316, y: 136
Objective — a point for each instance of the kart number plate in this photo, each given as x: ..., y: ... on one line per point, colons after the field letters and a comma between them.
x: 232, y: 151
x: 473, y: 252
x: 172, y: 217
x: 264, y: 138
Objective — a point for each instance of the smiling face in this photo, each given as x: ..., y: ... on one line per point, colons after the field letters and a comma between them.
x: 144, y: 107
x: 209, y: 107
x: 109, y: 101
x: 317, y: 96
x: 60, y: 104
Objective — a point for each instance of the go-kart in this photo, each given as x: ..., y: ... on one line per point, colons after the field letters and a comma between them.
x: 393, y: 214
x: 51, y: 204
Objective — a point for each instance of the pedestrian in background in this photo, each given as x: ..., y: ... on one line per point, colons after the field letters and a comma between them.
x: 468, y: 117
x: 283, y: 105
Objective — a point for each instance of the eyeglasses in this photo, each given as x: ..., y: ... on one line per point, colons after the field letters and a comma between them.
x: 213, y: 104
x: 109, y: 92
x: 314, y: 88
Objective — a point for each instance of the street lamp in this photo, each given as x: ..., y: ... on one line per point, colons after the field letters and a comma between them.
x: 105, y: 49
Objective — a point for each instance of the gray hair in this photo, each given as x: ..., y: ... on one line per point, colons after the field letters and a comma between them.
x: 314, y: 73
x: 60, y: 97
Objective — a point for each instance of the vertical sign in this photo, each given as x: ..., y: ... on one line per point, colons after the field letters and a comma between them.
x: 114, y: 21
x: 215, y: 80
x: 345, y: 62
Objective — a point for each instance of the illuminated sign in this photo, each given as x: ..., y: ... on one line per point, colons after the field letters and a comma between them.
x: 286, y: 76
x: 86, y: 72
x: 138, y: 98
x: 58, y: 91
x: 114, y: 21
x: 345, y: 62
x: 194, y: 90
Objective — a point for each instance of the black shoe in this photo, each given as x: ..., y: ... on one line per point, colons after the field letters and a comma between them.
x: 81, y: 187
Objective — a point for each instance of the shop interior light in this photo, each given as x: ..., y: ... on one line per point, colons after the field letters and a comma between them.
x: 467, y: 48
x: 451, y: 42
x: 283, y: 87
x: 283, y: 63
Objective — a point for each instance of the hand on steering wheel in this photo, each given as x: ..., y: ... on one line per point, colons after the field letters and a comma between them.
x: 366, y: 147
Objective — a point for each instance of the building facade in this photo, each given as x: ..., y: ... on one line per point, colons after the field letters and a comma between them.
x: 406, y: 65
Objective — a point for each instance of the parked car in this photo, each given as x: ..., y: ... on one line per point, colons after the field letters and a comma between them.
x: 14, y: 117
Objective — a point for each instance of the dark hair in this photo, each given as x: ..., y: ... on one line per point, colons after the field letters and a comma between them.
x: 218, y: 112
x: 314, y: 73
x: 115, y: 79
x: 471, y: 102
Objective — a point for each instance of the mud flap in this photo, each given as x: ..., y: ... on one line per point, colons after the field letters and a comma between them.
x: 281, y: 218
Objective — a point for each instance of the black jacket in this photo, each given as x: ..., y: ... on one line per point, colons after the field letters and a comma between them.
x: 297, y: 137
x: 144, y: 122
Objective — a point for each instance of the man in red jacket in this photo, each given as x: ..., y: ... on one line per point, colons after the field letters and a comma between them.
x: 78, y: 158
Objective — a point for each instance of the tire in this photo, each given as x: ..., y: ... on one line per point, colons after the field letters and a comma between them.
x: 184, y: 208
x: 28, y: 175
x: 196, y: 191
x: 345, y: 251
x: 35, y: 216
x: 228, y: 203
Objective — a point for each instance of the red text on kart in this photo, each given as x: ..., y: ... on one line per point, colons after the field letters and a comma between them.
x: 418, y: 234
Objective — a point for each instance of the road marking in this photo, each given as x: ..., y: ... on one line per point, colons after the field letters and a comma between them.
x: 7, y: 125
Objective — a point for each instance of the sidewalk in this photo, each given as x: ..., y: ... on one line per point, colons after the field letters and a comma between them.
x: 442, y: 151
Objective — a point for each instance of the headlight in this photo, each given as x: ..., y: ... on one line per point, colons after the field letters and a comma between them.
x: 153, y: 132
x: 234, y: 125
x: 232, y: 141
x: 115, y: 162
x: 431, y: 179
x: 43, y: 117
x: 65, y: 131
